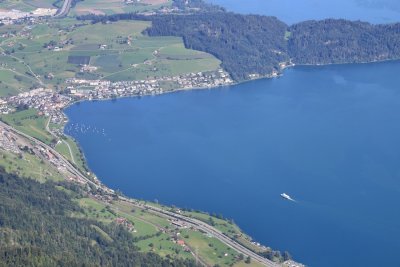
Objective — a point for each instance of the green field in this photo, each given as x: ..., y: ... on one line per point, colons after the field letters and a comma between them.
x: 252, y: 264
x: 63, y: 150
x: 149, y: 237
x: 28, y: 166
x: 14, y: 78
x: 9, y: 85
x: 30, y: 59
x: 95, y: 210
x: 117, y: 6
x: 77, y: 157
x: 29, y: 122
x: 127, y: 208
x: 227, y: 227
x: 210, y: 249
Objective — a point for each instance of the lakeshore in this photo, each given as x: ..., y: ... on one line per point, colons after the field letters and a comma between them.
x: 43, y: 103
x: 195, y: 94
x: 187, y: 221
x: 218, y: 150
x: 162, y: 113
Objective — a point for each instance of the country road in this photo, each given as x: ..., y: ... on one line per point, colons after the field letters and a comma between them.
x: 63, y: 141
x: 63, y: 11
x: 196, y: 224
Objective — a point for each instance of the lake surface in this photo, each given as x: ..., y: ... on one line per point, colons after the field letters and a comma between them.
x: 327, y: 136
x: 293, y: 11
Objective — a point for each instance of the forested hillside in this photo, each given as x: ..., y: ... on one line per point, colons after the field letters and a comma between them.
x: 245, y: 44
x: 342, y: 41
x: 251, y: 44
x: 248, y: 44
x: 37, y: 229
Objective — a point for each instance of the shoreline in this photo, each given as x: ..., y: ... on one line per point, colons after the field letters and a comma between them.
x: 99, y: 191
x: 348, y: 63
x: 190, y: 89
x: 235, y: 83
x: 92, y: 175
x: 180, y: 90
x: 154, y: 206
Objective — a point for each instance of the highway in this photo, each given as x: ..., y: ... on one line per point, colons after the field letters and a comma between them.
x: 196, y: 224
x: 206, y: 228
x: 63, y: 11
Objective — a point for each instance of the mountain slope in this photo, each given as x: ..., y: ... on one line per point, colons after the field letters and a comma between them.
x: 37, y: 229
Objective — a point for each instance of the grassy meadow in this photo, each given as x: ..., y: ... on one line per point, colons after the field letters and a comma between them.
x: 29, y: 122
x: 117, y: 6
x: 40, y: 55
x: 29, y: 166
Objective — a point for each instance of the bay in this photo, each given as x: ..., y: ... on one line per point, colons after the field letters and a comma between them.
x: 328, y: 136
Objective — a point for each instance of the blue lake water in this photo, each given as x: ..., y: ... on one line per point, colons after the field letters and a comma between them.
x: 293, y: 11
x: 328, y: 136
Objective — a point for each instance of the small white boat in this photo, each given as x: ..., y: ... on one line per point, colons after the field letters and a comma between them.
x: 286, y: 196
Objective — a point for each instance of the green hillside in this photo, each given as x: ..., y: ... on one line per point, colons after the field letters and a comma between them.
x: 37, y: 229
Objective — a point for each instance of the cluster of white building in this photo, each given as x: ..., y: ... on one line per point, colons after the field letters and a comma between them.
x: 13, y: 16
x: 46, y: 101
x: 100, y: 89
x: 4, y: 107
x: 7, y: 141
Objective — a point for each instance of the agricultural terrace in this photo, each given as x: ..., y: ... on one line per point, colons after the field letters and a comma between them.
x: 47, y: 54
x: 99, y: 7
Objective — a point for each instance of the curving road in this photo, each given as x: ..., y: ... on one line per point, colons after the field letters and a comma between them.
x: 63, y: 11
x: 206, y: 228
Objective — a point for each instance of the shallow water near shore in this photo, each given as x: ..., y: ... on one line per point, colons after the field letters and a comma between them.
x: 327, y: 136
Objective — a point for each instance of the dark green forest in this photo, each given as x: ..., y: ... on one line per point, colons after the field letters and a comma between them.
x: 249, y: 44
x: 341, y: 41
x: 36, y: 229
x: 245, y: 44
